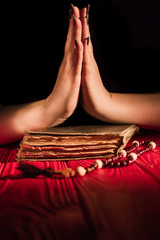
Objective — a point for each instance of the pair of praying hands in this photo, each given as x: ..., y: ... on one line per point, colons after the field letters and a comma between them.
x: 78, y: 74
x: 79, y: 78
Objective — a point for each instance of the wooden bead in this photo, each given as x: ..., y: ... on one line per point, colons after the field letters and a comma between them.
x: 99, y: 164
x: 132, y: 156
x: 152, y: 144
x: 136, y: 142
x: 124, y: 153
x: 81, y: 171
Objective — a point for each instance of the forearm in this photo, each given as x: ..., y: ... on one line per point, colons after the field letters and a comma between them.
x: 14, y: 120
x: 141, y: 109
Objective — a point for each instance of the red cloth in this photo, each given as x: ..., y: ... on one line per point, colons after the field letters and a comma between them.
x: 119, y: 203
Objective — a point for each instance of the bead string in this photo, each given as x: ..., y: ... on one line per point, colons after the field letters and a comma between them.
x: 122, y: 159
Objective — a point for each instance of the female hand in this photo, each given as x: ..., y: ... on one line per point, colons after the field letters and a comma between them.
x: 64, y: 98
x: 140, y: 109
x: 62, y: 101
x: 94, y: 96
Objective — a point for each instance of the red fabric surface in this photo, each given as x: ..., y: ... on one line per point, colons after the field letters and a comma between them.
x: 118, y: 203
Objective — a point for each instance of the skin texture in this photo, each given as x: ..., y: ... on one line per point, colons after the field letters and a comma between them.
x: 79, y: 78
x: 62, y: 101
x: 141, y: 109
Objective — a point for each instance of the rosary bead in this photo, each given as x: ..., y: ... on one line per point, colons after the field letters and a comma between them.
x: 81, y: 171
x: 89, y: 169
x: 132, y: 156
x: 99, y: 164
x: 111, y: 164
x: 130, y: 162
x: 124, y: 163
x: 116, y: 157
x: 152, y: 145
x: 135, y: 143
x: 116, y: 164
x: 142, y: 142
x: 109, y: 160
x: 124, y: 153
x: 105, y: 163
x: 93, y: 166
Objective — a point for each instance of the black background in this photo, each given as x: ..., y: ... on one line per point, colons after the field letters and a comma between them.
x: 125, y: 35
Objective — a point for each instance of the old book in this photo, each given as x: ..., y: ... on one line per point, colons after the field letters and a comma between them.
x: 76, y: 142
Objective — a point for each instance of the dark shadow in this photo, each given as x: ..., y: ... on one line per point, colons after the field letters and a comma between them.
x: 126, y: 62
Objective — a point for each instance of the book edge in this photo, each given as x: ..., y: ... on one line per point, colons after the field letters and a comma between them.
x: 113, y: 133
x: 127, y: 134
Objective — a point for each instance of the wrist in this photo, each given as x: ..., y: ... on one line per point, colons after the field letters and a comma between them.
x: 54, y: 112
x: 104, y: 107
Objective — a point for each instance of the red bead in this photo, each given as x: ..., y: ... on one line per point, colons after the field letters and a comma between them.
x: 109, y: 160
x: 105, y: 164
x: 124, y: 163
x: 117, y: 164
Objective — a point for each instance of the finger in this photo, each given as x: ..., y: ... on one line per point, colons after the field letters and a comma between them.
x: 77, y: 29
x: 77, y: 32
x: 70, y: 33
x: 84, y: 16
x: 76, y: 12
x: 73, y: 14
x: 86, y: 36
x: 79, y: 57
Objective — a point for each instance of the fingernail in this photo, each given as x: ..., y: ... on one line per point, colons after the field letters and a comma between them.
x: 88, y: 9
x: 75, y: 40
x: 87, y: 13
x: 74, y: 20
x: 71, y: 11
x: 87, y: 39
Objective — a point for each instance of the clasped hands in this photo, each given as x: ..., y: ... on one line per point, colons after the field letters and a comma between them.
x: 79, y: 80
x: 78, y: 75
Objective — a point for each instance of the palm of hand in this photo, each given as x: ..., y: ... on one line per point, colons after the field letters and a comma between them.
x: 63, y: 100
x: 93, y: 92
x: 78, y: 70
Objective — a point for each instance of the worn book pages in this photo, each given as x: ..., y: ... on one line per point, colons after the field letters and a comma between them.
x: 75, y: 142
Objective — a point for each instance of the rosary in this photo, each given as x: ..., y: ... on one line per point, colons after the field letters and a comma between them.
x: 123, y: 159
